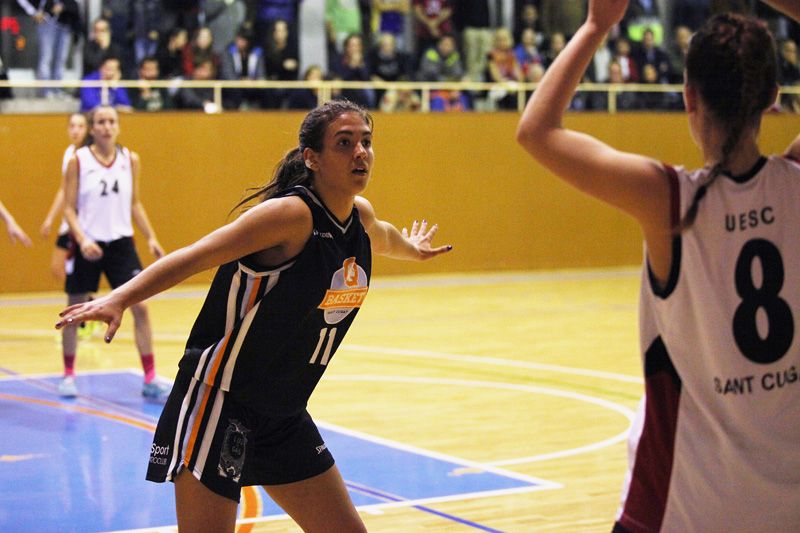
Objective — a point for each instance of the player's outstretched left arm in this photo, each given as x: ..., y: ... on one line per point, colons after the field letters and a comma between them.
x: 387, y: 240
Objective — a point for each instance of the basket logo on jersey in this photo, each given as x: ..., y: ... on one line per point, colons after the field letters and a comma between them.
x: 347, y: 292
x: 234, y: 444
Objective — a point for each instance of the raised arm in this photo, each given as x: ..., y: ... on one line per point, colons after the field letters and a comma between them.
x: 281, y: 224
x: 387, y: 240
x: 139, y: 213
x: 633, y: 183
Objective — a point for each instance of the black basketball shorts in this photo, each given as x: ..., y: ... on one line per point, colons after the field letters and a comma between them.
x: 119, y: 263
x: 227, y: 445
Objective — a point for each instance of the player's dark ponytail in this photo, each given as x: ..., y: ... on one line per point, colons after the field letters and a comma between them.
x: 292, y: 170
x: 732, y: 63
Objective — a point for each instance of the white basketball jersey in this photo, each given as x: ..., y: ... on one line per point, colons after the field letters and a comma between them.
x: 717, y: 445
x: 68, y: 153
x: 105, y: 193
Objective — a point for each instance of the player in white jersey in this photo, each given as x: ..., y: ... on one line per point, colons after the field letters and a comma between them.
x: 716, y: 446
x: 77, y: 131
x: 101, y: 190
x: 294, y: 272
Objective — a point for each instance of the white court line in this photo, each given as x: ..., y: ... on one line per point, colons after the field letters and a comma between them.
x: 491, y: 466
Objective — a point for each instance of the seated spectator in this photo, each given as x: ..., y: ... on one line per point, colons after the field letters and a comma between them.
x: 281, y: 63
x: 198, y: 50
x: 527, y: 53
x: 789, y: 74
x: 622, y: 56
x: 625, y: 100
x: 400, y: 100
x: 352, y: 66
x: 112, y: 95
x: 145, y: 97
x: 677, y: 53
x: 98, y: 47
x: 653, y: 101
x: 555, y: 45
x: 170, y: 53
x: 432, y: 20
x: 528, y: 18
x: 502, y: 67
x: 647, y: 53
x: 146, y: 25
x: 199, y: 97
x: 443, y: 63
x: 242, y: 61
x: 306, y: 98
x: 389, y: 16
x: 5, y: 92
x: 342, y: 19
x: 387, y: 63
x: 643, y: 16
x: 597, y: 72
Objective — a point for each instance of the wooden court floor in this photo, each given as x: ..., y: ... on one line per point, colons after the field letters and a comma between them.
x: 536, y: 373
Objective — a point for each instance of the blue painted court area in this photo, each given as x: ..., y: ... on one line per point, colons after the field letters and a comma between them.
x: 79, y: 465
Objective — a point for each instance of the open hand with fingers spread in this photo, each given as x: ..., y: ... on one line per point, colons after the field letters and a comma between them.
x: 422, y: 238
x: 105, y: 309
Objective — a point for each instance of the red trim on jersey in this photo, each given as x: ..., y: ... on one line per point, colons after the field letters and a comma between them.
x: 646, y: 502
x: 674, y: 196
x: 792, y: 158
x: 109, y: 165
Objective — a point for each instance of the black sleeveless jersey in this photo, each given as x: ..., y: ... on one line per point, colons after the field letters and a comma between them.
x: 266, y: 334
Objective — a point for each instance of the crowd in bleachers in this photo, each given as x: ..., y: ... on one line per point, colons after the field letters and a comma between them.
x: 372, y: 40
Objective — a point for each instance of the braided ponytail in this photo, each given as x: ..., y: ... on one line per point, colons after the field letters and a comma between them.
x: 732, y: 63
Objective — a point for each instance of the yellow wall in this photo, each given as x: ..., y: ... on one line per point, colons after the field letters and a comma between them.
x: 463, y: 171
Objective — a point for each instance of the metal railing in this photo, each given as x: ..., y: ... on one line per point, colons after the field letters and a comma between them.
x: 326, y: 89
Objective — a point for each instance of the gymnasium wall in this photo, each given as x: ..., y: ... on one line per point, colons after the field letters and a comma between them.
x: 498, y: 208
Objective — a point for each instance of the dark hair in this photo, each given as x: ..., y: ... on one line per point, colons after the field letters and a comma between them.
x: 292, y: 170
x: 732, y: 63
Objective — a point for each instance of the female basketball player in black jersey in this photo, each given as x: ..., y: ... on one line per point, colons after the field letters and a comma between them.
x: 294, y: 271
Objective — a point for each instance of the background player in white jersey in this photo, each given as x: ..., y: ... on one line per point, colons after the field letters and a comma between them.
x: 715, y: 447
x: 15, y: 232
x: 77, y: 131
x: 101, y: 191
x: 294, y: 271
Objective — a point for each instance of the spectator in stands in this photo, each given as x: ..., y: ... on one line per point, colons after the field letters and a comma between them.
x: 200, y: 48
x: 389, y: 16
x: 502, y: 67
x: 265, y: 13
x: 99, y: 46
x: 342, y: 19
x: 473, y: 20
x: 146, y: 28
x: 677, y: 53
x: 170, y: 53
x: 527, y: 53
x: 622, y: 56
x: 352, y: 66
x: 789, y: 74
x: 225, y: 18
x: 120, y: 18
x: 306, y: 98
x: 647, y: 53
x: 597, y: 72
x: 5, y: 92
x: 653, y: 101
x: 242, y: 61
x: 112, y: 95
x: 641, y: 16
x: 400, y: 100
x: 282, y: 63
x: 555, y: 45
x: 443, y: 63
x: 387, y: 63
x: 528, y: 18
x: 145, y: 97
x: 56, y: 22
x: 433, y: 19
x: 199, y: 97
x: 625, y: 100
